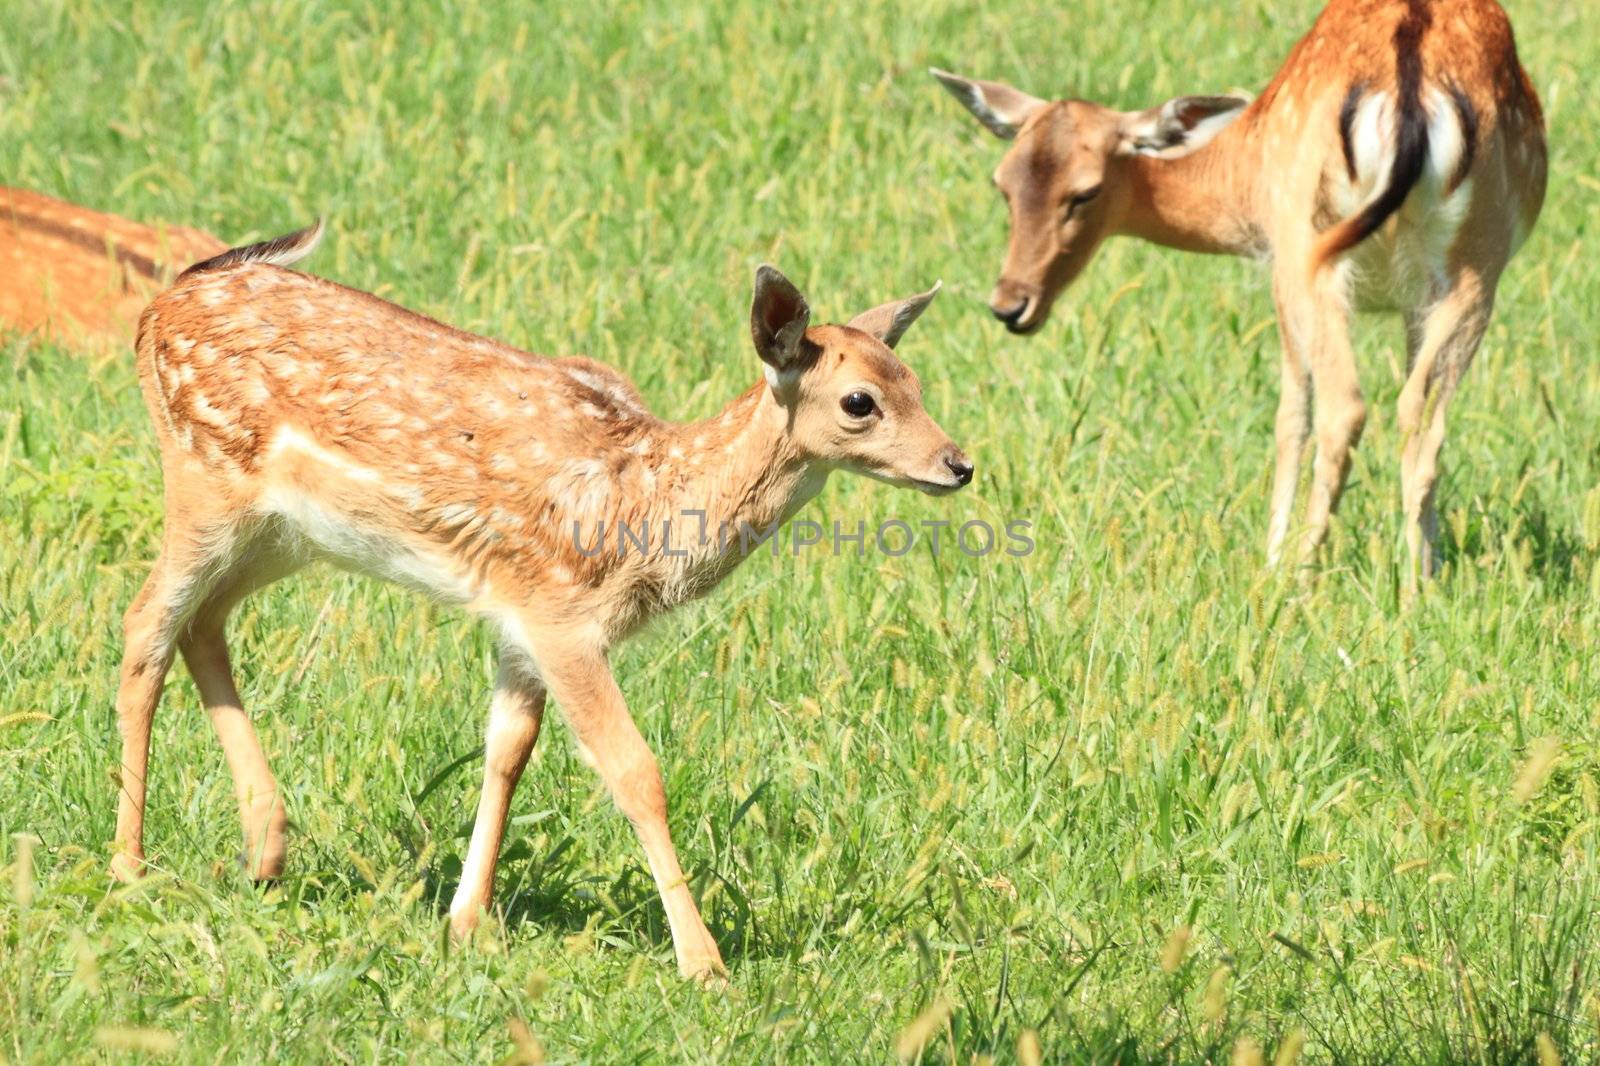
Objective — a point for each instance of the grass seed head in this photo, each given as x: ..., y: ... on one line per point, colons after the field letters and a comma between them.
x: 1289, y: 1050
x: 132, y: 1038
x: 1029, y: 1051
x: 1176, y: 947
x: 22, y: 870
x: 923, y: 1028
x: 1246, y: 1052
x: 1215, y: 1003
x: 526, y: 1049
x: 1542, y: 755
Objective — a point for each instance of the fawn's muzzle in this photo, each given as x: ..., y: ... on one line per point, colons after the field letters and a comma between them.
x: 959, y: 465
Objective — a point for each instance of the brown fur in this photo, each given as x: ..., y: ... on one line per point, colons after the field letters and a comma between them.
x: 81, y: 275
x: 302, y: 420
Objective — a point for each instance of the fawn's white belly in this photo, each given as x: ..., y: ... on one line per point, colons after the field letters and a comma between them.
x: 338, y: 520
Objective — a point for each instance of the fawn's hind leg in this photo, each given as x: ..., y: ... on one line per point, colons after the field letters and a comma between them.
x: 180, y: 578
x: 205, y: 651
x: 149, y: 630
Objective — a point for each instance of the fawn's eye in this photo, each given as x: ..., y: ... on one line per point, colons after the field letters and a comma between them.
x: 858, y: 405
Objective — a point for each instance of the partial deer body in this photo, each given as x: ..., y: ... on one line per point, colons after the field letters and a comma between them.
x: 300, y: 420
x: 77, y: 274
x: 1397, y: 161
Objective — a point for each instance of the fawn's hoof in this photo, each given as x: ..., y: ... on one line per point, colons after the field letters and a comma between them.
x: 126, y: 867
x: 707, y: 972
x: 464, y: 924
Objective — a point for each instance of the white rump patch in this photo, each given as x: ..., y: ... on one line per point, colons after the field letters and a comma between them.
x: 1404, y: 267
x: 1373, y: 142
x: 1372, y: 147
x: 1447, y: 141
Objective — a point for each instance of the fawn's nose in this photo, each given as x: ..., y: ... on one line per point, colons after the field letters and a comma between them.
x: 960, y: 466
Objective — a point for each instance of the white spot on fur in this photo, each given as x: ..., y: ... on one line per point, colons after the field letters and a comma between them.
x: 204, y: 410
x: 290, y: 439
x: 457, y: 514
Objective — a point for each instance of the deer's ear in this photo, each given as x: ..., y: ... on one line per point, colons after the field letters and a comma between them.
x: 1179, y: 126
x: 889, y: 322
x: 1002, y: 109
x: 779, y: 316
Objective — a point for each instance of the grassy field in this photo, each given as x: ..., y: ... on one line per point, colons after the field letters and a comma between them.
x: 1127, y: 799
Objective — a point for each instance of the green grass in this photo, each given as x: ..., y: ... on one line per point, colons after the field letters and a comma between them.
x: 993, y: 787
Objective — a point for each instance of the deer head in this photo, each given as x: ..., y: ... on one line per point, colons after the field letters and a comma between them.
x: 848, y: 399
x: 1066, y: 179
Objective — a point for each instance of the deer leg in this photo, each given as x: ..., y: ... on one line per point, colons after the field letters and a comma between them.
x: 151, y: 627
x: 1447, y: 338
x: 1293, y: 425
x: 581, y: 682
x: 148, y: 638
x: 514, y: 717
x: 205, y: 651
x: 1341, y: 412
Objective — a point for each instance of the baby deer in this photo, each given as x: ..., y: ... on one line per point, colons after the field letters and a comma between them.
x: 1396, y: 162
x: 300, y: 420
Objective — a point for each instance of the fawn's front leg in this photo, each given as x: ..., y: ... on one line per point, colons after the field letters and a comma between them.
x: 514, y: 717
x: 579, y: 678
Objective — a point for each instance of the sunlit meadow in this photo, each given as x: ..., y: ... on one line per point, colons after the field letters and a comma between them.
x: 1129, y: 798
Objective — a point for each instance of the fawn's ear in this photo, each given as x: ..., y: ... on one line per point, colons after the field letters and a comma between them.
x: 889, y: 322
x: 1179, y: 126
x: 1002, y: 109
x: 779, y: 316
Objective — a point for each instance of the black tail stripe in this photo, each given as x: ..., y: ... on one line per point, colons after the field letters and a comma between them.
x: 1347, y: 121
x: 1411, y: 149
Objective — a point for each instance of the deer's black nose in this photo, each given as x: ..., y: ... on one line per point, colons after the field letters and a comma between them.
x: 1012, y: 315
x: 960, y: 466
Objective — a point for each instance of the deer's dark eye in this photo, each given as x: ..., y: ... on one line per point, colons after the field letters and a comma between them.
x: 1078, y: 201
x: 858, y: 405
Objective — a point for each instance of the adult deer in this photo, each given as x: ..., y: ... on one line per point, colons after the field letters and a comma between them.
x: 300, y: 420
x: 77, y: 274
x: 1397, y: 161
